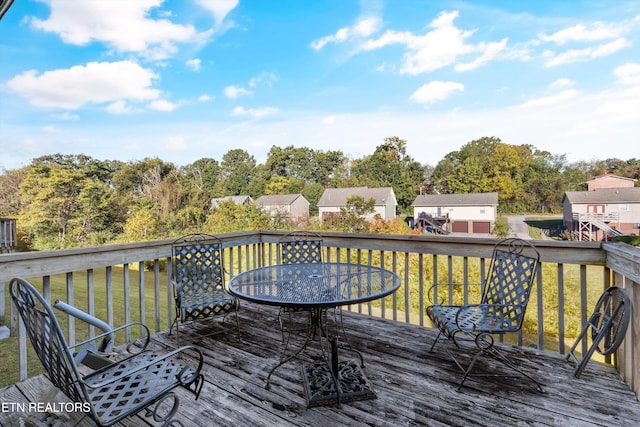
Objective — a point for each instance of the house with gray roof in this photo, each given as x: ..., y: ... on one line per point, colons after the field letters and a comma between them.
x: 333, y: 199
x: 457, y: 213
x: 238, y: 200
x: 292, y: 206
x: 602, y: 213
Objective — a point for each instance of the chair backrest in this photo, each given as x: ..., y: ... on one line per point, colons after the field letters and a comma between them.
x: 301, y: 247
x: 198, y: 264
x: 47, y: 339
x: 510, y: 278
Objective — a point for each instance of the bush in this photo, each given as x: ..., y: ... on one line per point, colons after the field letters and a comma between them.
x: 631, y: 239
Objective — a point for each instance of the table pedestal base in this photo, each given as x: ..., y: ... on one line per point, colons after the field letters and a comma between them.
x: 320, y: 388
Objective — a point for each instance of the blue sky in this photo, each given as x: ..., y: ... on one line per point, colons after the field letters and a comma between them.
x: 186, y: 79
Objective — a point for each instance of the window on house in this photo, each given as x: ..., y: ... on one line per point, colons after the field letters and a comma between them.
x: 624, y: 207
x: 482, y: 211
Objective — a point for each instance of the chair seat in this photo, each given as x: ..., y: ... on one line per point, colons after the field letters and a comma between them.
x: 129, y: 393
x: 212, y: 303
x: 473, y: 318
x: 212, y: 297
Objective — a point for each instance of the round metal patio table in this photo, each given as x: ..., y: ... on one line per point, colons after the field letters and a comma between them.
x: 314, y: 287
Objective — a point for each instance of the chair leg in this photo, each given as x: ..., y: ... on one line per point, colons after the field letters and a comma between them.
x: 485, y: 345
x: 469, y: 368
x: 435, y: 341
x: 507, y: 362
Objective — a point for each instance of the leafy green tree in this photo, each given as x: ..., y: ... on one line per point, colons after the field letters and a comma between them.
x: 525, y: 178
x: 312, y: 192
x: 353, y: 216
x: 236, y: 170
x: 64, y: 201
x: 10, y: 181
x: 229, y: 217
x: 391, y: 166
x: 304, y: 164
x: 141, y: 225
x: 283, y: 185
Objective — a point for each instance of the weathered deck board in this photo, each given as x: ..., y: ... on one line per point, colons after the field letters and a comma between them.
x: 414, y: 386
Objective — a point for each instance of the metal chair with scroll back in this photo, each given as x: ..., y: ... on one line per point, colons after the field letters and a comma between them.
x: 117, y: 387
x: 504, y: 298
x: 303, y: 247
x: 299, y: 247
x: 608, y: 325
x: 198, y: 281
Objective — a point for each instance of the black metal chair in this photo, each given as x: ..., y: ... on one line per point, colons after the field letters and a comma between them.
x: 299, y: 247
x: 608, y: 325
x: 118, y: 388
x: 198, y: 280
x: 504, y: 298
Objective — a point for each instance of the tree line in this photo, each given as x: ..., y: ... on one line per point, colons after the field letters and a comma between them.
x: 64, y: 201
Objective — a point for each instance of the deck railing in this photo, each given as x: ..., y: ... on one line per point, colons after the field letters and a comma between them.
x: 130, y: 282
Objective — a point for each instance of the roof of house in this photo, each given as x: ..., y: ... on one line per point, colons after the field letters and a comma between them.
x: 469, y: 199
x: 238, y: 200
x: 278, y: 199
x: 605, y: 195
x: 611, y: 175
x: 339, y: 196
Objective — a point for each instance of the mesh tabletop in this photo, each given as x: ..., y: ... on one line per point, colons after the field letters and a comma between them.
x: 314, y: 285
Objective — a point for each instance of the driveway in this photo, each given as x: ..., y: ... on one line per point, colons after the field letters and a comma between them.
x: 517, y: 227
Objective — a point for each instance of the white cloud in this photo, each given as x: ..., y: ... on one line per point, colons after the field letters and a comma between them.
x: 233, y: 92
x: 219, y: 8
x: 365, y: 27
x: 205, y: 98
x: 580, y: 32
x: 545, y: 101
x: 439, y: 47
x: 561, y: 83
x: 488, y: 52
x: 175, y: 143
x: 119, y: 107
x: 123, y: 25
x: 194, y: 64
x: 575, y: 55
x: 66, y: 116
x: 628, y: 74
x: 52, y: 129
x: 254, y: 112
x: 162, y: 105
x: 266, y: 78
x: 334, y: 118
x: 96, y: 82
x: 435, y: 91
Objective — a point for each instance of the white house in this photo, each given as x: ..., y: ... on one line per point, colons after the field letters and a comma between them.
x: 335, y: 198
x: 457, y: 213
x: 292, y: 206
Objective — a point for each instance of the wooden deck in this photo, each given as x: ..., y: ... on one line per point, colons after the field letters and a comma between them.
x: 414, y: 387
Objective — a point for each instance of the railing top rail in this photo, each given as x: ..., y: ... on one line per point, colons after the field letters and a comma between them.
x: 41, y: 263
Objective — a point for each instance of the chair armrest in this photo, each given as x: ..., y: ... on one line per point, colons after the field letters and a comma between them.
x: 147, y: 337
x: 431, y: 292
x: 183, y: 377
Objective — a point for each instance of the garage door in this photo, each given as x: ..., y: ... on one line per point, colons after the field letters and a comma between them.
x: 482, y: 227
x: 460, y: 227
